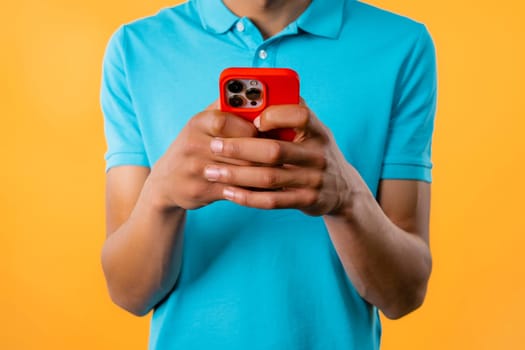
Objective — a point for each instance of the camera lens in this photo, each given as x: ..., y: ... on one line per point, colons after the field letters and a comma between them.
x: 236, y: 101
x: 235, y: 86
x: 253, y: 94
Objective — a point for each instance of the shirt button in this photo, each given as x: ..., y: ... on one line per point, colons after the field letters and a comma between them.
x: 263, y: 54
x: 240, y: 26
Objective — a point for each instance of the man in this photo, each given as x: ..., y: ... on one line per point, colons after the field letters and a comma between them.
x: 239, y: 242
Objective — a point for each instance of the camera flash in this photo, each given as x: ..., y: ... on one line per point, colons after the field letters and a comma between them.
x: 253, y: 82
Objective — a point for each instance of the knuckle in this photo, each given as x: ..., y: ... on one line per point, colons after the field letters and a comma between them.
x: 194, y: 166
x: 303, y: 114
x: 230, y: 148
x: 270, y: 179
x: 194, y: 192
x: 242, y: 200
x: 197, y: 119
x: 245, y: 200
x: 311, y: 198
x: 270, y: 203
x: 274, y: 152
x: 316, y: 180
x: 190, y: 147
x: 217, y: 123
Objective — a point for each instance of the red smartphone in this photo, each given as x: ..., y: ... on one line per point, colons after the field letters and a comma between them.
x: 246, y: 92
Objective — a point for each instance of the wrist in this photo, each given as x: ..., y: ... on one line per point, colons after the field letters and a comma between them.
x: 348, y: 204
x: 155, y: 198
x: 352, y: 197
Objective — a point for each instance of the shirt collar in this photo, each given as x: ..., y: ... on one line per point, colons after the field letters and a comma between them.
x: 215, y: 16
x: 322, y: 17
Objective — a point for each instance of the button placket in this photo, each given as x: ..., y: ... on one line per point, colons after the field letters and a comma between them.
x: 240, y: 27
x: 263, y: 54
x: 247, y: 33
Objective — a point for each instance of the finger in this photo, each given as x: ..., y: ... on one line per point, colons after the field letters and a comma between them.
x: 221, y: 124
x: 297, y: 117
x: 197, y: 192
x: 263, y: 177
x: 291, y: 198
x: 283, y: 116
x: 267, y: 151
x: 314, y: 124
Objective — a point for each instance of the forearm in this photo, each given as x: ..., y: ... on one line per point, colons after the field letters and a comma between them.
x: 141, y: 259
x: 388, y: 266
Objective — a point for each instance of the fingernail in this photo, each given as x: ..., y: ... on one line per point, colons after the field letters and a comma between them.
x: 216, y: 145
x: 212, y: 173
x: 228, y: 194
x: 257, y: 122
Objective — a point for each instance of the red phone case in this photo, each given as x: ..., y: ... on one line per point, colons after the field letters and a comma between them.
x: 281, y: 86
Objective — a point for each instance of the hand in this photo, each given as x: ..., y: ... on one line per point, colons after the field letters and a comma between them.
x: 177, y: 178
x: 309, y: 174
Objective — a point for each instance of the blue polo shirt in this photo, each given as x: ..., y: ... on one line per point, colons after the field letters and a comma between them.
x: 256, y: 279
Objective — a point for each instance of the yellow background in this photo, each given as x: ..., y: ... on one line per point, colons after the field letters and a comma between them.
x: 52, y: 292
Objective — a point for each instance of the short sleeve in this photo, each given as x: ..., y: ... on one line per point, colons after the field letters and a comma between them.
x: 125, y: 145
x: 408, y: 148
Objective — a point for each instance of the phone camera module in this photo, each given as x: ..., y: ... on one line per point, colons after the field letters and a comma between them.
x: 235, y: 86
x: 236, y: 101
x: 253, y: 94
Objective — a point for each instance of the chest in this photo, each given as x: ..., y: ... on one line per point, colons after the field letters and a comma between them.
x: 347, y: 91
